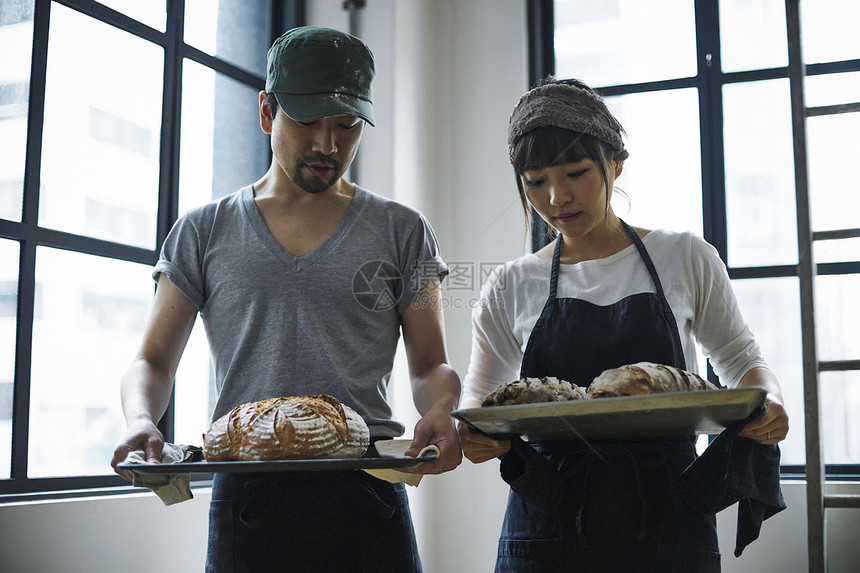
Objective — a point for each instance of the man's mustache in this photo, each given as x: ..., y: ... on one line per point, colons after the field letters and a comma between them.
x: 320, y: 159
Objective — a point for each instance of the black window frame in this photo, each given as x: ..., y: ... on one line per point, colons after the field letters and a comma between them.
x: 285, y: 14
x: 708, y: 82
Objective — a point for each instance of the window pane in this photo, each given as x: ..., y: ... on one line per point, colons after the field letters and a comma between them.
x: 16, y: 44
x: 770, y: 307
x: 100, y: 163
x: 832, y: 89
x: 8, y: 325
x: 829, y: 137
x: 624, y: 41
x: 222, y: 147
x: 759, y: 159
x: 836, y: 310
x: 836, y: 251
x: 752, y: 35
x: 151, y: 12
x: 194, y: 390
x: 829, y: 30
x: 834, y: 201
x: 840, y: 417
x: 89, y: 329
x: 656, y: 199
x: 222, y: 29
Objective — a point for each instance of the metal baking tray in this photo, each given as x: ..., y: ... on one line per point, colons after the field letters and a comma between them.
x: 372, y: 460
x: 652, y: 415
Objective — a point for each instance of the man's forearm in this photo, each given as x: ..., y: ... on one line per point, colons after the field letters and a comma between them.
x: 439, y: 387
x: 145, y: 392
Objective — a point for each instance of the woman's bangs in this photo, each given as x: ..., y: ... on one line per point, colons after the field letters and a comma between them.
x: 549, y: 146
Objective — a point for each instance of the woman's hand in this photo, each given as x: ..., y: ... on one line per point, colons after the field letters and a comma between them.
x: 772, y: 426
x: 479, y: 448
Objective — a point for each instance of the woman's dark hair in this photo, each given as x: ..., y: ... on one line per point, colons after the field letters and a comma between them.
x: 545, y: 147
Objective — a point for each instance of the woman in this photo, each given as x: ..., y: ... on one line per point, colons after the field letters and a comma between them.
x: 616, y: 295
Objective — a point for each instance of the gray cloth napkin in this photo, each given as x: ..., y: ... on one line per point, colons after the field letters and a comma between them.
x: 170, y: 488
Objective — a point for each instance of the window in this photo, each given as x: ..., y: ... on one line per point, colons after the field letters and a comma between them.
x: 134, y: 113
x: 702, y: 89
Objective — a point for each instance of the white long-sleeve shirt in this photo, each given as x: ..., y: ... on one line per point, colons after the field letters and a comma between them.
x: 694, y: 281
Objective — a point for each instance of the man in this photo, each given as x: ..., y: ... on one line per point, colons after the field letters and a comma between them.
x: 303, y: 281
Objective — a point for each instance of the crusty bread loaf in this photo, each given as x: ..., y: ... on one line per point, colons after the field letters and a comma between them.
x: 533, y: 391
x: 645, y: 378
x: 302, y: 427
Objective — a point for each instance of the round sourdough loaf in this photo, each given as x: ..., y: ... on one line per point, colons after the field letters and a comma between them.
x: 645, y: 378
x: 292, y: 428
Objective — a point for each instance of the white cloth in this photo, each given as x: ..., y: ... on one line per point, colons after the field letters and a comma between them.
x: 694, y: 281
x: 170, y: 488
x: 397, y: 448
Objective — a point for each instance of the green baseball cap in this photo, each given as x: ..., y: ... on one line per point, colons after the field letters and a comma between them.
x: 318, y: 72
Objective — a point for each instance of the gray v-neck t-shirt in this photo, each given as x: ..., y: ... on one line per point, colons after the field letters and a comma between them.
x: 324, y: 323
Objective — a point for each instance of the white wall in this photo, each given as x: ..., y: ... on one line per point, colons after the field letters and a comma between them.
x: 130, y: 533
x: 459, y: 68
x: 450, y: 71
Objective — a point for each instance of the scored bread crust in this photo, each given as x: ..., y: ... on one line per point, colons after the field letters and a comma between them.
x: 288, y: 428
x: 533, y: 391
x: 645, y: 378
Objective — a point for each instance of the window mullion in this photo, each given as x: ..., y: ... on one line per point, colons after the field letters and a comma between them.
x: 27, y: 259
x: 287, y: 14
x: 709, y: 82
x: 168, y: 199
x: 541, y: 25
x: 168, y: 193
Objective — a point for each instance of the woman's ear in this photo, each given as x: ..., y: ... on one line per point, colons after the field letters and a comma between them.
x: 619, y: 167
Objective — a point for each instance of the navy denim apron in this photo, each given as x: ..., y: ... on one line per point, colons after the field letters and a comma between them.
x: 310, y: 522
x: 618, y: 514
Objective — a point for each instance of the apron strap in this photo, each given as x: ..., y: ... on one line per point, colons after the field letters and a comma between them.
x: 646, y: 258
x: 553, y: 277
x: 667, y: 310
x: 547, y: 307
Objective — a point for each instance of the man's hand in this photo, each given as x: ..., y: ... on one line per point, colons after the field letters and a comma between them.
x: 141, y: 435
x: 436, y: 427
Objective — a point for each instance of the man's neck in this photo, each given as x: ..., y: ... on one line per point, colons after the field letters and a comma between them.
x: 278, y: 186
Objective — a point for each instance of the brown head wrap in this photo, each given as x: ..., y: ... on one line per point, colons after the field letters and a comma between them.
x: 568, y: 107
